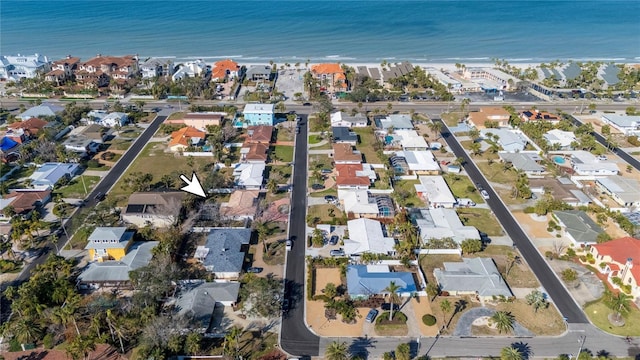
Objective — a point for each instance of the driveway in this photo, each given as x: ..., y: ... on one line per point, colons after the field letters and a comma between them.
x: 290, y: 82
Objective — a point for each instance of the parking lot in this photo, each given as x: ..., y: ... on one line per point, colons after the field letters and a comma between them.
x: 290, y: 82
x: 489, y: 97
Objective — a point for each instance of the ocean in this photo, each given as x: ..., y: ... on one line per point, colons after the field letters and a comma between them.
x: 326, y: 30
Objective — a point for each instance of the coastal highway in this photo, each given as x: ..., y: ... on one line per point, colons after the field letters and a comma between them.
x: 295, y: 338
x: 603, y: 141
x: 552, y: 285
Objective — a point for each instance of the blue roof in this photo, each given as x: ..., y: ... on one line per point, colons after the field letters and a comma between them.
x: 361, y: 282
x: 224, y: 246
x: 7, y: 144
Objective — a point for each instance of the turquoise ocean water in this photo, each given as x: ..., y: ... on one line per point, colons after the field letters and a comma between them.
x: 345, y: 30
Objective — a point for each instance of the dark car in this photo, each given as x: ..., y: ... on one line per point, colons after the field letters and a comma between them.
x: 330, y: 198
x: 255, y: 270
x: 317, y: 186
x: 285, y: 305
x: 387, y: 307
x: 371, y: 315
x: 334, y: 240
x: 306, y: 104
x: 99, y: 196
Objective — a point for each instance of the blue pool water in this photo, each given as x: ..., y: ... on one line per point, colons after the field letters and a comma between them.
x: 559, y: 160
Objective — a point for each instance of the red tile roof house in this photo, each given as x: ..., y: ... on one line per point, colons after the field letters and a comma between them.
x: 100, y: 70
x: 254, y: 153
x: 24, y: 201
x: 261, y: 134
x: 183, y: 138
x: 63, y: 70
x: 354, y: 176
x: 497, y: 115
x: 21, y: 131
x: 224, y: 69
x: 332, y: 73
x: 621, y: 259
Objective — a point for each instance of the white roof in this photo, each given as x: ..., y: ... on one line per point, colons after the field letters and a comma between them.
x: 357, y: 202
x: 50, y: 173
x: 365, y: 235
x: 258, y: 109
x: 249, y: 174
x: 627, y: 189
x: 584, y: 161
x: 622, y: 120
x: 41, y: 110
x: 563, y: 138
x: 422, y: 160
x: 340, y: 116
x: 410, y: 139
x: 444, y: 223
x: 508, y: 139
x: 436, y: 188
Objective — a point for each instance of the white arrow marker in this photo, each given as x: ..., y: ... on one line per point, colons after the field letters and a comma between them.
x: 193, y: 185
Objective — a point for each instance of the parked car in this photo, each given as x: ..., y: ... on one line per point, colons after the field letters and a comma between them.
x: 330, y: 198
x: 255, y: 270
x: 465, y: 202
x: 99, y: 196
x: 317, y: 186
x: 326, y: 171
x: 371, y: 316
x: 485, y: 194
x: 338, y: 252
x: 285, y: 305
x: 387, y: 307
x: 334, y: 240
x: 289, y: 244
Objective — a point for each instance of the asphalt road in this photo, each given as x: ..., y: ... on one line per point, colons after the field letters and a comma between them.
x: 621, y: 153
x: 552, y: 285
x: 103, y: 187
x: 295, y: 337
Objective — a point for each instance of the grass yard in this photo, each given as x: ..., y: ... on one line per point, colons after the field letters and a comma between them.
x: 320, y: 214
x: 496, y: 173
x: 283, y: 153
x: 325, y: 192
x: 451, y: 118
x: 20, y: 173
x: 319, y: 162
x: 520, y: 274
x: 547, y: 322
x: 153, y: 160
x: 130, y: 132
x: 177, y: 115
x: 367, y: 139
x: 314, y: 139
x: 598, y: 313
x: 430, y: 262
x: 482, y: 219
x: 119, y: 144
x: 281, y: 173
x: 75, y: 188
x: 285, y: 134
x: 448, y: 318
x: 406, y: 193
x: 462, y: 187
x: 397, y: 327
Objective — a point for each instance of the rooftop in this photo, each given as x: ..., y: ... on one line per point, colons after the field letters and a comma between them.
x: 479, y: 275
x: 363, y: 280
x: 222, y: 252
x: 138, y: 255
x: 365, y: 235
x: 579, y: 225
x: 345, y: 153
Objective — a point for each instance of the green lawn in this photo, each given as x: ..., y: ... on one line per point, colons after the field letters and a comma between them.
x: 367, y: 140
x: 119, y: 144
x: 130, y: 132
x: 281, y: 173
x: 319, y: 162
x: 177, y: 115
x: 75, y: 188
x: 462, y: 187
x: 153, y: 160
x: 283, y: 153
x: 284, y: 134
x: 325, y: 192
x: 22, y: 172
x: 496, y: 173
x: 482, y: 219
x: 314, y: 139
x: 322, y: 214
x: 406, y: 193
x: 598, y: 312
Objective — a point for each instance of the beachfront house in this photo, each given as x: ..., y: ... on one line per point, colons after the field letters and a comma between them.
x: 16, y: 67
x: 63, y: 70
x: 259, y: 114
x: 330, y: 75
x: 102, y: 70
x: 259, y: 73
x: 194, y: 68
x: 224, y: 69
x: 157, y: 67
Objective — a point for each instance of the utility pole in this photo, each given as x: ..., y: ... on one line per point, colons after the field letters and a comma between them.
x: 581, y: 340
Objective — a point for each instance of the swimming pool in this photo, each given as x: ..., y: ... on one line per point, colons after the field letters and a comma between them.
x: 559, y: 160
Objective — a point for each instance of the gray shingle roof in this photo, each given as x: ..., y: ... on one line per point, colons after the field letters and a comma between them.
x: 579, y: 225
x: 341, y: 133
x: 138, y: 255
x: 479, y: 275
x: 109, y: 238
x: 224, y: 247
x: 197, y: 302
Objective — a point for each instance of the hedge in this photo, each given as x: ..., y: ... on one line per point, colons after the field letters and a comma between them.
x: 429, y: 319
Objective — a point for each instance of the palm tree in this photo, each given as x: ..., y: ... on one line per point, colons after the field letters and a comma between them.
x: 503, y: 321
x: 26, y: 330
x: 272, y: 186
x: 537, y: 300
x: 231, y: 339
x: 392, y: 289
x: 445, y: 306
x: 617, y: 302
x: 511, y: 353
x: 337, y: 351
x: 475, y: 148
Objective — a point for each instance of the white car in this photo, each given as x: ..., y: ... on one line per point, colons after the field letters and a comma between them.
x: 288, y: 244
x: 485, y: 194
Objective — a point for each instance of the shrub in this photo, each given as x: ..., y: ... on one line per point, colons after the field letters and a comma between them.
x: 633, y: 140
x: 429, y: 320
x: 626, y: 289
x: 592, y: 261
x: 93, y: 164
x: 569, y: 275
x: 583, y: 258
x: 552, y: 224
x: 549, y: 229
x: 398, y: 316
x: 616, y: 280
x: 570, y: 252
x: 548, y: 255
x: 529, y: 210
x: 47, y: 341
x: 602, y: 265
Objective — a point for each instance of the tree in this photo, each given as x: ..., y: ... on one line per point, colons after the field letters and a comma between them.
x: 619, y: 303
x: 403, y: 352
x: 330, y: 290
x: 337, y: 351
x: 537, y: 300
x: 503, y: 321
x: 511, y: 353
x: 475, y: 148
x: 432, y: 290
x: 231, y: 343
x: 569, y: 275
x: 445, y: 306
x: 392, y: 289
x: 629, y: 169
x: 513, y: 260
x: 471, y: 246
x: 272, y: 186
